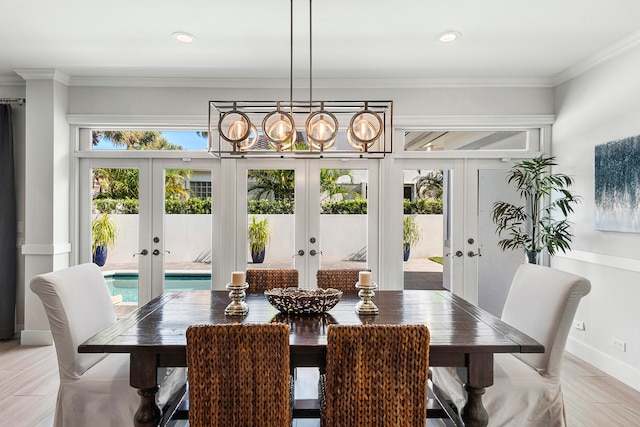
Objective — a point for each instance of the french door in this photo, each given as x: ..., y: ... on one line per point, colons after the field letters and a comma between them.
x: 472, y: 264
x: 325, y: 217
x: 160, y: 228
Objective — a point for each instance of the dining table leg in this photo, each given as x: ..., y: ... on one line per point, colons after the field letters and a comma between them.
x: 479, y: 376
x: 143, y: 376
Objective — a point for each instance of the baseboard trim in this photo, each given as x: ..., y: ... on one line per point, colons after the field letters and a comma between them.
x: 606, y: 363
x: 36, y: 338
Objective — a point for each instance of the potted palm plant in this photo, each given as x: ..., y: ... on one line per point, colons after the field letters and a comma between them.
x: 104, y: 232
x: 541, y: 221
x: 411, y: 232
x: 258, y: 237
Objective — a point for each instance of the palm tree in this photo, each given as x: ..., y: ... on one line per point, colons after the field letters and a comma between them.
x: 116, y: 183
x: 277, y: 184
x: 330, y: 185
x: 430, y: 186
x: 540, y: 220
x: 174, y: 187
x: 135, y: 140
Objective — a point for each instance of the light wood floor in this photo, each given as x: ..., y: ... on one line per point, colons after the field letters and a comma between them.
x: 29, y: 382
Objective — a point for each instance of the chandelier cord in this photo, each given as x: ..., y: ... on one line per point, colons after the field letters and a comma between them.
x: 310, y: 59
x: 291, y: 60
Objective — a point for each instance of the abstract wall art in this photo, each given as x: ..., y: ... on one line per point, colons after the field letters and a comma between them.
x: 617, y: 185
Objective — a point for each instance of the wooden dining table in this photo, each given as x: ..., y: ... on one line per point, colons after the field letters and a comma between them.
x: 462, y: 335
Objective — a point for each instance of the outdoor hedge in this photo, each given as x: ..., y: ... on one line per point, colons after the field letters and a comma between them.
x: 423, y: 207
x: 352, y: 207
x: 192, y: 205
x: 196, y: 205
x: 265, y: 206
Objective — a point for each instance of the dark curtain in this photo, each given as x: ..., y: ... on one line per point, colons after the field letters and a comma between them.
x: 8, y: 233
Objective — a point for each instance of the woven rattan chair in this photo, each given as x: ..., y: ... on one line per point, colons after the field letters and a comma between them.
x: 343, y: 280
x: 260, y: 280
x: 239, y: 375
x: 376, y: 376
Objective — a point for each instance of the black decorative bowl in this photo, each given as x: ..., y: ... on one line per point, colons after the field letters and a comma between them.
x: 296, y: 301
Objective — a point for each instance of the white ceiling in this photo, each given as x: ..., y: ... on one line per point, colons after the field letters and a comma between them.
x: 371, y: 39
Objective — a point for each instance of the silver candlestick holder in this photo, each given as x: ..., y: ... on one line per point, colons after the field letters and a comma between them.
x: 366, y: 306
x: 237, y: 307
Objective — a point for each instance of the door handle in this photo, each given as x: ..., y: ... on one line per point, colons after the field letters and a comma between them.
x: 313, y: 252
x: 457, y: 254
x: 299, y: 253
x: 157, y: 252
x: 471, y: 254
x: 142, y: 252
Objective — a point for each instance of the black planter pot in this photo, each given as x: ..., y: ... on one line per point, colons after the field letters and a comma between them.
x: 258, y: 256
x: 100, y: 255
x: 532, y: 257
x: 407, y: 252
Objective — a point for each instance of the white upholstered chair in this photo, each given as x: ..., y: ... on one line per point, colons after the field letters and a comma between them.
x: 542, y: 303
x: 94, y: 388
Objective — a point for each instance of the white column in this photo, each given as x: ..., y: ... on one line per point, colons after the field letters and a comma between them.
x: 47, y: 195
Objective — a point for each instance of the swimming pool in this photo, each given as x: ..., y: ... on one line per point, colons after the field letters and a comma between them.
x: 126, y: 284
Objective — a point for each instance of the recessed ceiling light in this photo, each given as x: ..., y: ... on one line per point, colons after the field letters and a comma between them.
x: 183, y: 37
x: 448, y: 36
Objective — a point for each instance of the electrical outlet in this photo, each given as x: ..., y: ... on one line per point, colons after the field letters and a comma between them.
x: 579, y: 324
x: 619, y: 344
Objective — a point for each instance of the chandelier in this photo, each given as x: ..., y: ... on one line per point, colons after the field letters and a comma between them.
x: 305, y: 128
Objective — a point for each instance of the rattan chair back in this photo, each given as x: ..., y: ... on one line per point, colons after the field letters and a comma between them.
x: 376, y: 376
x: 239, y: 375
x: 260, y: 280
x: 343, y: 280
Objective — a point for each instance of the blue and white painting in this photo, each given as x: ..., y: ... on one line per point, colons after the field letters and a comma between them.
x: 617, y: 185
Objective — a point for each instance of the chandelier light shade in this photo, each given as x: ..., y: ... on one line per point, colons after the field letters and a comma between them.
x: 364, y: 129
x: 238, y: 129
x: 322, y: 129
x: 279, y: 128
x: 330, y: 128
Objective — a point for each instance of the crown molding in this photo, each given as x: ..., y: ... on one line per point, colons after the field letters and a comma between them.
x: 304, y: 83
x: 11, y: 81
x: 599, y: 58
x: 43, y: 74
x: 507, y: 82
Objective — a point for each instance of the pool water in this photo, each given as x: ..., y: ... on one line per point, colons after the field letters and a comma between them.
x: 126, y: 284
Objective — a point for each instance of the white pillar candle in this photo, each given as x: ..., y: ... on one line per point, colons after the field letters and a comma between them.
x: 237, y: 278
x: 365, y: 278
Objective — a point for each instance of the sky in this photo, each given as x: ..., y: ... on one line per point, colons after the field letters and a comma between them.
x: 189, y: 140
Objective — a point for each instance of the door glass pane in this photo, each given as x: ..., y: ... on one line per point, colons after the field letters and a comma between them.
x: 424, y: 228
x: 187, y: 229
x: 114, y: 232
x: 271, y: 222
x: 343, y: 218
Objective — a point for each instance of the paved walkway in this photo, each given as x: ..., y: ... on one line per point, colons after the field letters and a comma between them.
x: 413, y: 265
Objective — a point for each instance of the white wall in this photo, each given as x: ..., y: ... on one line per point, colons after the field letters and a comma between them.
x: 342, y: 235
x: 599, y: 106
x: 411, y: 103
